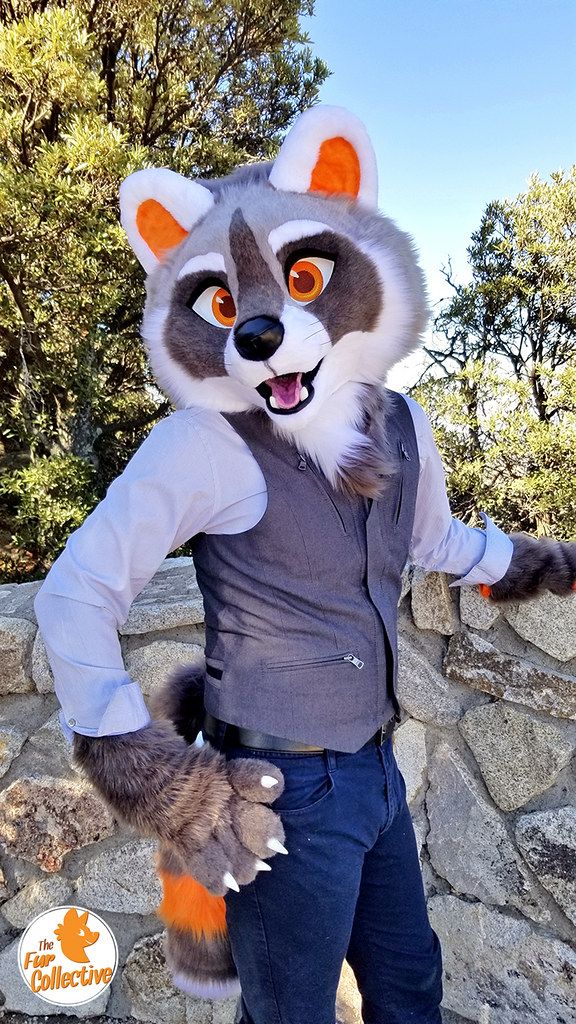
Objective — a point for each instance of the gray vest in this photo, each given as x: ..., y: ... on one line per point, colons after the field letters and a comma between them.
x: 301, y: 610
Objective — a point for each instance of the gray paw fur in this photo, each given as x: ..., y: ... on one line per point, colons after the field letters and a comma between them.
x: 537, y: 565
x: 211, y: 812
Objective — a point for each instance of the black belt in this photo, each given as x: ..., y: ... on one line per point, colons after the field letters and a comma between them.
x: 239, y: 736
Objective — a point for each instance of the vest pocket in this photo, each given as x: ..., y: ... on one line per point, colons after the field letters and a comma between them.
x: 336, y: 659
x: 215, y: 671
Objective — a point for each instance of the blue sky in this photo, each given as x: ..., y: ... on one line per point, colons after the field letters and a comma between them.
x: 463, y: 99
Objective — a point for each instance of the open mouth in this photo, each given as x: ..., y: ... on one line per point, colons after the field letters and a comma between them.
x: 288, y: 392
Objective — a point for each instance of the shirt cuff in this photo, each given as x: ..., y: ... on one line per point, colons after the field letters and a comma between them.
x: 125, y: 712
x: 496, y: 558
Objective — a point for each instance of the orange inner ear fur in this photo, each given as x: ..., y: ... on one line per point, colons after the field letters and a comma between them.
x: 159, y: 229
x: 337, y: 170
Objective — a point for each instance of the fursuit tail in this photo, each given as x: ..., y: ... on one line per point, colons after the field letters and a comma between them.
x: 196, y: 945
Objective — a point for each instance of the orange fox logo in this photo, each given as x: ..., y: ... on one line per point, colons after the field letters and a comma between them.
x: 74, y: 936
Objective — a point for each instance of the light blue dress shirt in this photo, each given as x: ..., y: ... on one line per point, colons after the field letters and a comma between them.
x: 193, y: 474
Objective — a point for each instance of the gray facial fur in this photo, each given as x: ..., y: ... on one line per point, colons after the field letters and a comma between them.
x: 353, y: 298
x: 258, y: 293
x: 192, y: 342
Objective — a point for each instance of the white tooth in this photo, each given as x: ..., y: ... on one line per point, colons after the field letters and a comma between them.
x: 261, y: 865
x: 276, y: 845
x: 303, y: 394
x: 273, y: 402
x: 268, y: 781
x: 231, y: 882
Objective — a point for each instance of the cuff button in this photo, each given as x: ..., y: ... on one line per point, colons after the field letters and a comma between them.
x: 71, y: 721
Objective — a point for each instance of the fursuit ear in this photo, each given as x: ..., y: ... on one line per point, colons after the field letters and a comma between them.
x: 157, y: 210
x: 328, y: 150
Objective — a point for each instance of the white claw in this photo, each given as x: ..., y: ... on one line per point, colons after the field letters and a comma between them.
x: 231, y: 882
x: 268, y: 781
x: 261, y: 865
x: 276, y: 845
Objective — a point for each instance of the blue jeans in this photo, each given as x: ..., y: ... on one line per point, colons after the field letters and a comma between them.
x: 350, y: 888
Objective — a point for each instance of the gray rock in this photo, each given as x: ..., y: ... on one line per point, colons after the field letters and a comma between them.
x: 172, y: 598
x: 547, y: 621
x: 17, y: 599
x: 148, y: 984
x: 498, y: 969
x: 41, y: 671
x: 48, y: 745
x: 548, y: 841
x: 475, y: 610
x: 151, y: 665
x: 520, y: 756
x: 16, y: 638
x: 468, y: 842
x: 43, y: 818
x: 20, y: 998
x: 421, y: 827
x: 38, y: 895
x: 202, y: 1011
x: 348, y: 1001
x: 475, y: 662
x: 4, y: 891
x: 11, y: 741
x: 122, y: 880
x: 406, y: 582
x: 410, y: 752
x: 432, y: 605
x: 423, y: 692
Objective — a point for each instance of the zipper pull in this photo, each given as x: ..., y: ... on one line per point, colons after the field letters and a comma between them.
x: 354, y: 660
x: 405, y: 453
x: 302, y: 464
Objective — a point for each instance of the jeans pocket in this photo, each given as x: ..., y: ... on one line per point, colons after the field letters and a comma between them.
x: 307, y: 780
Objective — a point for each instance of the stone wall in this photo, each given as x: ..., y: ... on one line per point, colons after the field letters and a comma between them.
x: 486, y: 746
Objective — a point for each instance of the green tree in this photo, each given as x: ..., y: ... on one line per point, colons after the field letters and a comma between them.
x: 501, y: 383
x: 91, y: 90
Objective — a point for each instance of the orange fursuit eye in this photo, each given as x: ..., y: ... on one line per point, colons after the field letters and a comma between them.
x: 305, y: 281
x: 223, y: 307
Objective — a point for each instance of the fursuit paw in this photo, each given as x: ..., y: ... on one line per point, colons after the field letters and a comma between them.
x: 244, y: 831
x: 210, y: 812
x: 536, y: 565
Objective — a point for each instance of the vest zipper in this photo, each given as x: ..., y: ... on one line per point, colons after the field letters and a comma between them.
x: 405, y: 455
x: 304, y: 464
x: 350, y: 658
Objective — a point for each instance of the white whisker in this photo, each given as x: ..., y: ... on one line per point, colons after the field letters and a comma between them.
x: 313, y: 335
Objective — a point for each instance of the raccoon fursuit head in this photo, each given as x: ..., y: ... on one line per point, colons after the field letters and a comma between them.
x: 282, y: 289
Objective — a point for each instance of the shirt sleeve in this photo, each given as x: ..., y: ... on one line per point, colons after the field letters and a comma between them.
x: 439, y: 541
x: 166, y: 495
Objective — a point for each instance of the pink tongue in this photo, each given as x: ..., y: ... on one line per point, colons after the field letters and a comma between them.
x: 286, y: 389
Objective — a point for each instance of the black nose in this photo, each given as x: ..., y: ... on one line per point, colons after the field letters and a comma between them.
x: 259, y: 337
